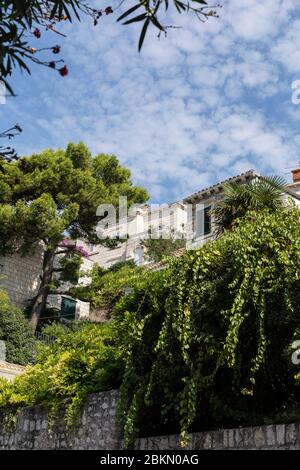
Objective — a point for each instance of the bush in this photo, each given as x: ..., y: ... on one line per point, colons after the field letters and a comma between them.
x: 207, y: 341
x: 57, y: 329
x: 76, y: 364
x: 108, y: 286
x: 16, y: 332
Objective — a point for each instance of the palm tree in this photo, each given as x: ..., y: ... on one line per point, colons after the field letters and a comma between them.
x: 261, y: 193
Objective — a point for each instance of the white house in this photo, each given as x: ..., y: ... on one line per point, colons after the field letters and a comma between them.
x: 190, y: 219
x: 200, y: 224
x: 141, y: 223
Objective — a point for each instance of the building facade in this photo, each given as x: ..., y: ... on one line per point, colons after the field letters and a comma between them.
x: 191, y: 219
x: 142, y: 222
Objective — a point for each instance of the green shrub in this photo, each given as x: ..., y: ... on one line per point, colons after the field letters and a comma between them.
x: 207, y: 341
x: 108, y: 286
x: 76, y: 364
x: 16, y: 332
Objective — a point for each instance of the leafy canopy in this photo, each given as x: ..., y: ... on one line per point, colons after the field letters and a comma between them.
x: 76, y: 364
x: 158, y: 248
x: 264, y: 192
x: 48, y: 194
x: 205, y: 343
x: 108, y: 286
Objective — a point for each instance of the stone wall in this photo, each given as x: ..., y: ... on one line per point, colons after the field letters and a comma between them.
x: 20, y: 276
x: 274, y: 437
x: 99, y: 431
x: 98, y: 428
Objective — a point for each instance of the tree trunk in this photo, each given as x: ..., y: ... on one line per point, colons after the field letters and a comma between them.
x: 40, y: 300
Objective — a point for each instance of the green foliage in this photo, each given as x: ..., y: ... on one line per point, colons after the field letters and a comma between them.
x: 64, y: 189
x: 152, y: 13
x: 158, y: 248
x: 260, y: 193
x: 20, y: 22
x: 16, y: 332
x: 121, y: 264
x: 54, y: 193
x: 70, y: 265
x: 76, y: 364
x: 207, y: 341
x: 58, y: 329
x: 109, y: 286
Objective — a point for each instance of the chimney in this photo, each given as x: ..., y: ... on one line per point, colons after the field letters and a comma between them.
x: 296, y: 175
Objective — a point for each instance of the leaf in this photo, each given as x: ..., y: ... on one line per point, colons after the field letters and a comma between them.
x: 180, y: 6
x: 131, y: 10
x: 8, y: 87
x: 136, y: 18
x: 156, y: 23
x: 143, y: 33
x: 54, y: 10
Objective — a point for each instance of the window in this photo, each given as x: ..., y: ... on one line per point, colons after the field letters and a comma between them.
x: 207, y: 220
x: 68, y: 308
x: 202, y: 221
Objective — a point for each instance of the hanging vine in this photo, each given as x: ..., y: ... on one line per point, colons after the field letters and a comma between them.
x: 225, y: 313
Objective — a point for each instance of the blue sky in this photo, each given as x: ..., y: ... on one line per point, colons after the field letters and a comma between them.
x: 208, y: 102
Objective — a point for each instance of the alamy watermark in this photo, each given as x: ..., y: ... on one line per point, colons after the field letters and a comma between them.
x: 296, y: 353
x: 167, y: 221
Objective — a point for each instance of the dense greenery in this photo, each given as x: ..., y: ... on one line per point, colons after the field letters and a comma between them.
x: 48, y: 195
x: 204, y: 343
x: 207, y: 340
x: 109, y: 285
x: 265, y: 192
x: 79, y: 362
x: 16, y: 332
x: 158, y: 248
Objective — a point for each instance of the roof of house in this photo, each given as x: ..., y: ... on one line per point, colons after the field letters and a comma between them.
x: 218, y: 187
x: 243, y: 177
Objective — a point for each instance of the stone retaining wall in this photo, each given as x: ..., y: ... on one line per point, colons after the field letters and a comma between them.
x: 99, y: 431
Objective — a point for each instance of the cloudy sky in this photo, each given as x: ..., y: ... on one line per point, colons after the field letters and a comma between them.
x: 208, y: 102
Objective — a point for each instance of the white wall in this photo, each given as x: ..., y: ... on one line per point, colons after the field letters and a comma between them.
x: 172, y: 216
